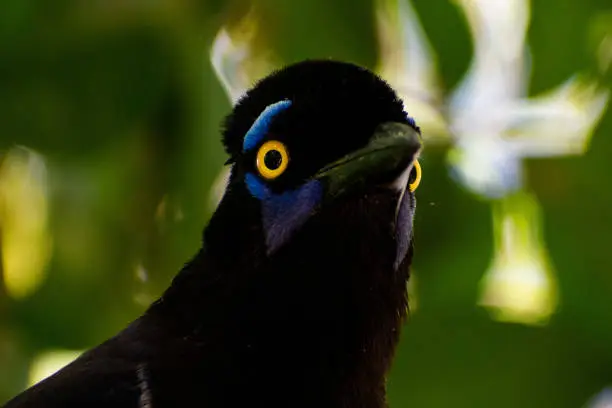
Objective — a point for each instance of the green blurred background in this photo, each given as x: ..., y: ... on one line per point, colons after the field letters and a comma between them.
x: 110, y: 165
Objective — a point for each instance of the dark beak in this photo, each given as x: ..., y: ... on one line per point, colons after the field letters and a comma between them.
x: 391, y: 151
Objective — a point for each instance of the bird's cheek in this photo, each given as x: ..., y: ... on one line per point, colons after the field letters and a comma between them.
x: 403, y: 226
x: 283, y: 214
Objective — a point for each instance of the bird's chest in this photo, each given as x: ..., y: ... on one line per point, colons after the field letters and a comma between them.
x: 277, y: 351
x: 250, y: 383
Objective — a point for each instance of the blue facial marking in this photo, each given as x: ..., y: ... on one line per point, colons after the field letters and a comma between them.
x: 403, y: 228
x: 282, y: 214
x: 285, y: 213
x: 256, y: 187
x: 260, y: 127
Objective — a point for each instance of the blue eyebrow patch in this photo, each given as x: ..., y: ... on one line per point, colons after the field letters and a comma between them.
x: 260, y: 127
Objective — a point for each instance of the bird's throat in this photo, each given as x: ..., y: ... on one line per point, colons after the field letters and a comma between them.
x: 318, y: 319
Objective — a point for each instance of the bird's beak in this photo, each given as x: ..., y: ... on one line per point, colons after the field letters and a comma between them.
x: 391, y: 151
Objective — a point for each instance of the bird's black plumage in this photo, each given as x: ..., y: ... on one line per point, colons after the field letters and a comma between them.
x: 312, y: 321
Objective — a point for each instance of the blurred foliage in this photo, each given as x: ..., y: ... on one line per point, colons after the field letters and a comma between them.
x: 110, y: 111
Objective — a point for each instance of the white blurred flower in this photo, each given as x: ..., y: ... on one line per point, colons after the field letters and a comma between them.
x: 236, y: 58
x: 601, y: 400
x: 492, y: 126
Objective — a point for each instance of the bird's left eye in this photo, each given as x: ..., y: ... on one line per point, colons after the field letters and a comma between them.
x: 272, y: 159
x: 415, y: 176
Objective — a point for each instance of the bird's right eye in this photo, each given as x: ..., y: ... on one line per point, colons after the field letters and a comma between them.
x: 272, y: 159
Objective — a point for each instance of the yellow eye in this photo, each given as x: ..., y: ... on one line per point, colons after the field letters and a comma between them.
x: 417, y: 178
x: 272, y: 159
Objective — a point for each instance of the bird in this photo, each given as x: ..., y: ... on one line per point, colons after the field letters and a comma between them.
x: 298, y: 293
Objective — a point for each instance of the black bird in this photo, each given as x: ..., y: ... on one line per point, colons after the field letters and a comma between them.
x: 298, y: 294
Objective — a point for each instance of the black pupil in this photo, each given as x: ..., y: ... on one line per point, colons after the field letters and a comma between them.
x: 413, y: 175
x: 273, y: 159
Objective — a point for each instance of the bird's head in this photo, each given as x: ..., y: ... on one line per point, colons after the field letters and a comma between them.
x: 317, y: 138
